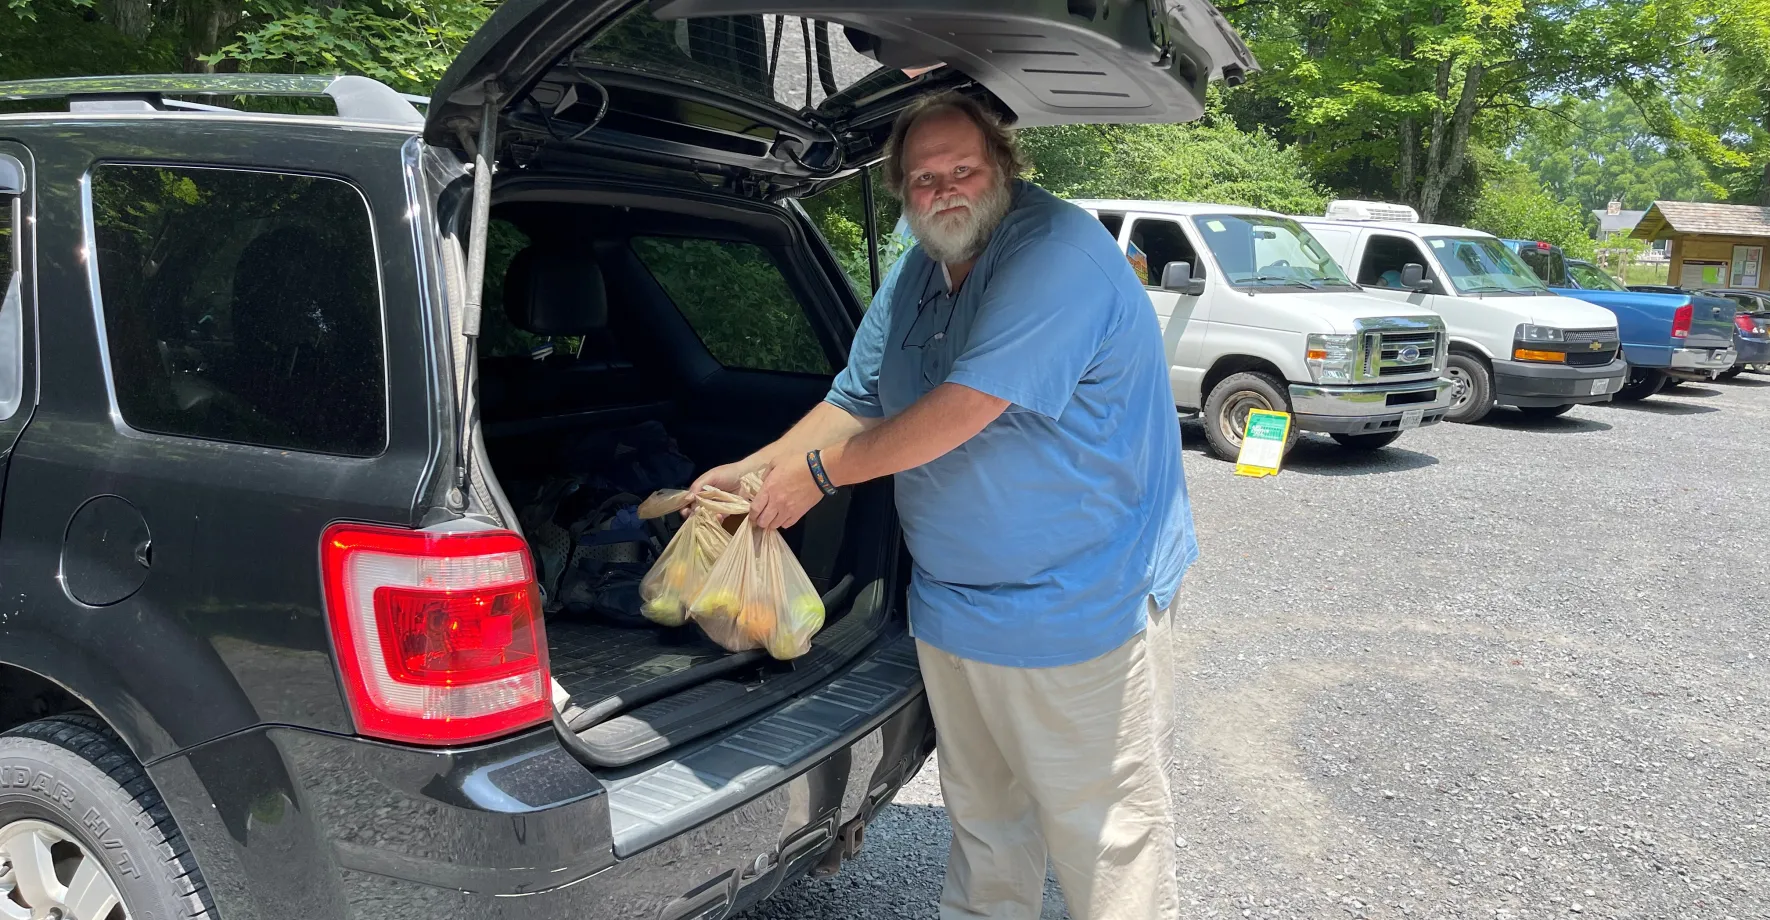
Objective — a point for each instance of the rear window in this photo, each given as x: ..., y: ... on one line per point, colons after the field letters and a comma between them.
x: 242, y: 306
x: 1547, y: 263
x: 738, y: 302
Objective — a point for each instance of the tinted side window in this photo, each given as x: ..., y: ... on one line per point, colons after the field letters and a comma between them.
x: 737, y: 301
x: 242, y: 306
x: 8, y: 240
x: 1155, y: 243
x: 1112, y: 221
x: 1383, y: 258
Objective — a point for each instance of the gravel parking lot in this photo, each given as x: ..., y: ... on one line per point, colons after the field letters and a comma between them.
x: 1510, y: 670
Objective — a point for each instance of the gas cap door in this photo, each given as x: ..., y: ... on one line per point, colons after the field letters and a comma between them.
x: 107, y: 552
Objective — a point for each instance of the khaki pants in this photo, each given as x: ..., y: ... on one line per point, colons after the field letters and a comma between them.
x: 1069, y: 763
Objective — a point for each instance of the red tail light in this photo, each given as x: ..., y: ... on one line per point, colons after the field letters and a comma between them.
x: 439, y: 635
x: 1745, y: 323
x: 1681, y: 321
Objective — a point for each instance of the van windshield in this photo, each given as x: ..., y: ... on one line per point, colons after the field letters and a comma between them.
x: 1484, y: 265
x: 1255, y: 250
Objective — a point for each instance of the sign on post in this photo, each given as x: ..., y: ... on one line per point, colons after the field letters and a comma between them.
x: 1262, y: 443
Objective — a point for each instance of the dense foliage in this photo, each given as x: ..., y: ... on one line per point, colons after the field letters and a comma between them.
x: 1501, y: 113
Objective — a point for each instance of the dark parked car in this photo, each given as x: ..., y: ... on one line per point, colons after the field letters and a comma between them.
x: 297, y: 544
x: 1751, y: 337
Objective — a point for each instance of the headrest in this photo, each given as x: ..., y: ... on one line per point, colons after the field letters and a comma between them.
x: 556, y: 290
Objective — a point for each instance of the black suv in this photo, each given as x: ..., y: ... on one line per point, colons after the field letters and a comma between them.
x: 304, y: 412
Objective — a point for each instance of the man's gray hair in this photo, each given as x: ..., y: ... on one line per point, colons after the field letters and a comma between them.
x: 998, y: 138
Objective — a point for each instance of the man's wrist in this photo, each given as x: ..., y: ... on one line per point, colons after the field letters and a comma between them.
x: 832, y: 459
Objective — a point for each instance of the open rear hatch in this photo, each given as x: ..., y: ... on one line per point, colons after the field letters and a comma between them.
x: 790, y: 92
x: 768, y: 100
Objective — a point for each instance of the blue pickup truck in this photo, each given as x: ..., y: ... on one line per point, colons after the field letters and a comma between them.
x: 1682, y: 336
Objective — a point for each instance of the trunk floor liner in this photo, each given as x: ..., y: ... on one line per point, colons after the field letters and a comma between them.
x: 594, y: 661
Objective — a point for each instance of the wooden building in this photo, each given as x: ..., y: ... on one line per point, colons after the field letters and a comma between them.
x: 1713, y: 245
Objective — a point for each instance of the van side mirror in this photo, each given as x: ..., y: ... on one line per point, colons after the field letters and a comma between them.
x: 1177, y: 277
x: 1413, y: 277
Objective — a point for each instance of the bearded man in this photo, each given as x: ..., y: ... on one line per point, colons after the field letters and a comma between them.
x: 1010, y: 375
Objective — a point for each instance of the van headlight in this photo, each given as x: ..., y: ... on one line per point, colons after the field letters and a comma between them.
x: 1331, y: 357
x: 1529, y: 333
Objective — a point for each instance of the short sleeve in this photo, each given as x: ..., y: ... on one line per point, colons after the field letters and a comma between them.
x: 1044, y: 317
x: 856, y: 389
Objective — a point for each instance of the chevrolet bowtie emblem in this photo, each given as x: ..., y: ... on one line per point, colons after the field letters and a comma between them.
x: 1596, y: 346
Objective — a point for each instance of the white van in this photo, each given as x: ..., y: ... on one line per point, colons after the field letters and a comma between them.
x: 1513, y: 342
x: 1256, y: 315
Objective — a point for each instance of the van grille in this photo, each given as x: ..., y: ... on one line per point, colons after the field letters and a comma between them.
x: 1579, y: 342
x: 1400, y: 354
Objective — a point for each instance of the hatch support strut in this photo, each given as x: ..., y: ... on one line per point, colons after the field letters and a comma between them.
x: 872, y: 216
x: 484, y: 152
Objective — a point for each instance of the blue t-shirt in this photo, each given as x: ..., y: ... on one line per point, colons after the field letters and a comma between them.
x: 1038, y: 542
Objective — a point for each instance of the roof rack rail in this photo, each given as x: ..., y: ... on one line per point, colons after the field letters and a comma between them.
x: 357, y: 98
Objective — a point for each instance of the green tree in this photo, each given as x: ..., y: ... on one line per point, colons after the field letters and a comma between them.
x: 1213, y: 161
x: 1515, y: 205
x: 405, y: 43
x: 1596, y: 150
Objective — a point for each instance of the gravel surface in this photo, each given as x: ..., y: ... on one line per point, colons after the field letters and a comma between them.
x: 1504, y: 671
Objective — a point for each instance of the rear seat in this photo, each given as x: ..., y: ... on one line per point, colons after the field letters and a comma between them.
x: 557, y: 290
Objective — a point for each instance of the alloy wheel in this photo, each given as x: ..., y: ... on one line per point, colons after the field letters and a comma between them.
x: 46, y: 874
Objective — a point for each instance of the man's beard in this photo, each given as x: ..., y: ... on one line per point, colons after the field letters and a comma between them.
x: 960, y: 237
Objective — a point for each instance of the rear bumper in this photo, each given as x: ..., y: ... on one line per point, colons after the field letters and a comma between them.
x: 1519, y: 383
x: 1367, y: 409
x: 1701, y: 363
x: 1751, y: 351
x: 289, y: 823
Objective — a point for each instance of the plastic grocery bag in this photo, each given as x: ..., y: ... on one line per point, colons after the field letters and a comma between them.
x: 758, y: 595
x: 676, y: 578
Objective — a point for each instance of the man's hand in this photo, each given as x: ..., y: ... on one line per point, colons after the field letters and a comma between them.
x: 726, y: 477
x: 788, y: 491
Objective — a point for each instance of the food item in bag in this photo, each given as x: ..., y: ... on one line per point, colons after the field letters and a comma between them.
x: 757, y: 595
x: 677, y: 576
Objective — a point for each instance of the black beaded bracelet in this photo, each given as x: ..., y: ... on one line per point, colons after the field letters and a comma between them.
x: 815, y: 460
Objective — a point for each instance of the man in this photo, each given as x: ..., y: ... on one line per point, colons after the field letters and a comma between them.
x: 1010, y: 375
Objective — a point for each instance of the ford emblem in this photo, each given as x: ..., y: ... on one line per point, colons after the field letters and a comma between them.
x: 1409, y: 354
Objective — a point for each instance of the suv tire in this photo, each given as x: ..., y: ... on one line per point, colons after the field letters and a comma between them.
x: 1544, y: 411
x: 1225, y: 414
x: 1473, y: 397
x: 1641, y: 383
x: 1376, y: 441
x: 88, y: 802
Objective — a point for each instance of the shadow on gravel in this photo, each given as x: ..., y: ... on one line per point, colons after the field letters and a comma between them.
x: 1701, y: 392
x: 1321, y: 457
x: 1560, y: 424
x: 1657, y: 405
x: 1745, y: 383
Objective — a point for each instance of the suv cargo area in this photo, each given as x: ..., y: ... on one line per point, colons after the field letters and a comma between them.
x: 627, y: 349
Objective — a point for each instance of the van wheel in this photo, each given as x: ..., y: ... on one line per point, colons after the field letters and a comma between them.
x: 1671, y: 383
x: 1376, y: 441
x: 1543, y: 411
x: 1472, y: 396
x: 85, y: 835
x: 1642, y: 383
x: 1226, y: 410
